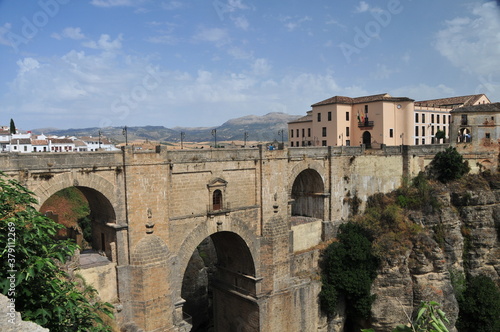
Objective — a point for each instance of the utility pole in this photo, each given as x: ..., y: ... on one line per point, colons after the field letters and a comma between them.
x: 214, y: 134
x: 281, y: 133
x: 125, y: 133
x: 182, y: 139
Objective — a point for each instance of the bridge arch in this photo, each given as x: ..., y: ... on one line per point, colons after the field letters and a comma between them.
x: 226, y: 263
x: 308, y: 190
x: 99, y: 194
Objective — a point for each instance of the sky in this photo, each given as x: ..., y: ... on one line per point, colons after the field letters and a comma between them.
x: 198, y: 63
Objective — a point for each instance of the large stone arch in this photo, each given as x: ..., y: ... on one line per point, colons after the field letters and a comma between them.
x: 236, y: 283
x: 200, y: 233
x: 308, y: 191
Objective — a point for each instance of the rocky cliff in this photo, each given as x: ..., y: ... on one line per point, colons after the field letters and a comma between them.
x: 462, y: 238
x: 458, y: 237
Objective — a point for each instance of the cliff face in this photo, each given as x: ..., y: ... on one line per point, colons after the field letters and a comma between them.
x: 463, y: 238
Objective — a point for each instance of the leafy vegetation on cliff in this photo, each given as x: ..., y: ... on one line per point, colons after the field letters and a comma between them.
x: 479, y: 305
x: 449, y: 165
x: 30, y: 273
x: 348, y: 272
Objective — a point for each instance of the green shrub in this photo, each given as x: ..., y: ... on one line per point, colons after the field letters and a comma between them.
x: 349, y: 268
x: 479, y: 306
x: 449, y: 165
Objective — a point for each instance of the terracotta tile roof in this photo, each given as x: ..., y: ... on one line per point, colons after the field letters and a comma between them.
x: 361, y: 100
x: 494, y: 107
x: 451, y: 101
x: 20, y: 141
x: 39, y: 142
x: 61, y: 141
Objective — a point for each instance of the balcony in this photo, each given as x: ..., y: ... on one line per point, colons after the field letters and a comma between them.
x: 218, y: 209
x: 365, y: 124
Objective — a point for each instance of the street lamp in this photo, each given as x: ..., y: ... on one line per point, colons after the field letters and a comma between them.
x: 214, y: 134
x: 281, y: 133
x: 245, y: 139
x: 182, y: 139
x: 99, y: 139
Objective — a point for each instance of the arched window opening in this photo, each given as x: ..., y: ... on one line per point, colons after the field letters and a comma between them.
x: 217, y: 200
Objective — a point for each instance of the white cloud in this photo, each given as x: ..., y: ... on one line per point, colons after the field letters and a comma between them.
x: 261, y: 67
x: 364, y: 7
x: 27, y: 64
x: 424, y: 91
x: 3, y: 34
x: 471, y: 43
x: 382, y: 72
x: 217, y: 36
x: 291, y: 23
x: 105, y: 43
x: 171, y: 5
x: 115, y: 3
x: 241, y: 22
x: 69, y: 32
x: 87, y: 90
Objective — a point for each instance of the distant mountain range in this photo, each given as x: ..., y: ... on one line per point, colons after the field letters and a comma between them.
x: 263, y: 128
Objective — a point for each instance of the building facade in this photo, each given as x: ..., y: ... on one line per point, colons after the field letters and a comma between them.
x: 377, y: 120
x: 370, y: 120
x: 433, y: 116
x: 477, y: 126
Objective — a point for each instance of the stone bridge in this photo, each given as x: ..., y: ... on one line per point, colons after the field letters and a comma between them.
x: 262, y: 211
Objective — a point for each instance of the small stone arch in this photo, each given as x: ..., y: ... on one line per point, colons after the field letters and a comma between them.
x: 99, y: 193
x: 49, y: 187
x: 308, y: 191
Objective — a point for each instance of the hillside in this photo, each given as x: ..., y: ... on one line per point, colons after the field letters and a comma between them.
x: 259, y: 128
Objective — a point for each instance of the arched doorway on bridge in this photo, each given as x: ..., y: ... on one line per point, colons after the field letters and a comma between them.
x: 219, y: 284
x: 88, y: 217
x: 308, y: 194
x: 367, y: 139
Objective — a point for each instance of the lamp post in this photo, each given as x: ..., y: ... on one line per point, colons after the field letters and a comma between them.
x: 214, y: 134
x: 125, y: 133
x: 99, y: 139
x: 245, y: 139
x: 281, y: 133
x: 182, y: 139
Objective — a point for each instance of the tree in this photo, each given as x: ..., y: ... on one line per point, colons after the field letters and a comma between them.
x: 449, y: 165
x: 479, y: 305
x: 12, y: 127
x: 440, y: 134
x: 30, y: 273
x: 349, y: 270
